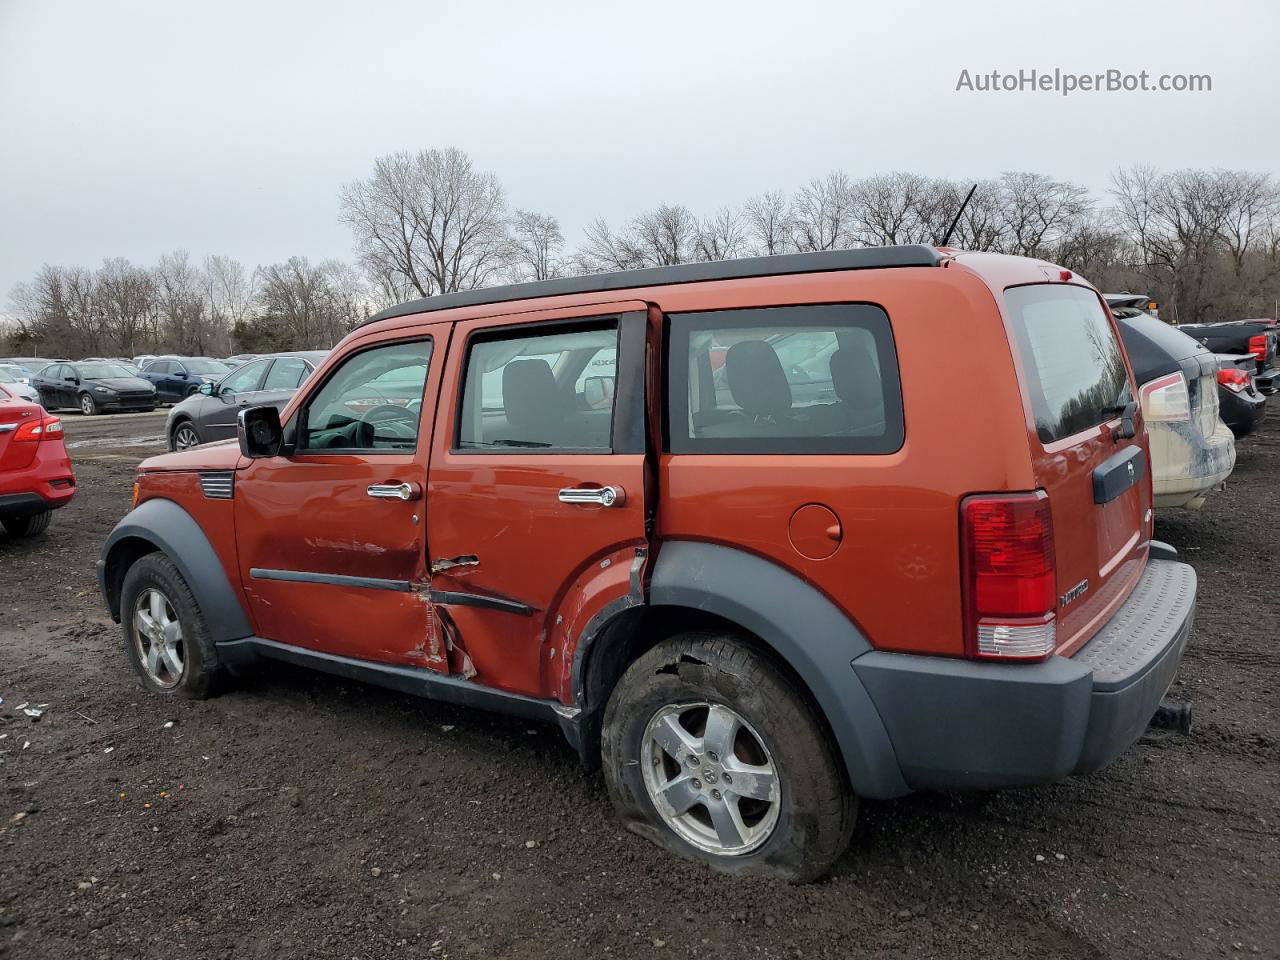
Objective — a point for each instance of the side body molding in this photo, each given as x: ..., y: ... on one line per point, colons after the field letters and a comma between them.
x: 803, y: 627
x: 175, y: 532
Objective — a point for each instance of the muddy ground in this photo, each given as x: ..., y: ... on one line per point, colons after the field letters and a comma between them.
x: 304, y: 816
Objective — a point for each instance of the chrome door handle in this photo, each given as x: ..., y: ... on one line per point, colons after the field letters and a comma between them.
x: 394, y: 491
x: 610, y: 496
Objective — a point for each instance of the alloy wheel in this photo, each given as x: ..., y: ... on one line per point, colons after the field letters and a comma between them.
x: 711, y: 778
x: 158, y: 638
x: 86, y: 405
x: 185, y: 437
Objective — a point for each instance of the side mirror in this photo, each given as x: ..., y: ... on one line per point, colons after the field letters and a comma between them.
x: 260, y: 433
x: 597, y: 392
x: 207, y: 389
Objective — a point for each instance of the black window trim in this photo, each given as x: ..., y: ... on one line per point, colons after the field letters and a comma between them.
x: 627, y: 432
x: 298, y: 425
x: 675, y: 391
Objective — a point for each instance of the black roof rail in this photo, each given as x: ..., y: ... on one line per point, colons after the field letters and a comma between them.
x: 824, y: 261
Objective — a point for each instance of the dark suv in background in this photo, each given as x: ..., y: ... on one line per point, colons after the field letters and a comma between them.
x: 210, y: 412
x: 177, y: 378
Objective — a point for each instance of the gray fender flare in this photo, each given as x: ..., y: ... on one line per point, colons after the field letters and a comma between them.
x: 805, y: 629
x: 170, y: 529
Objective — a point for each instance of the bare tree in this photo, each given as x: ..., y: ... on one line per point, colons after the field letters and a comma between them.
x: 722, y: 237
x: 886, y: 210
x: 127, y: 297
x: 661, y: 237
x: 768, y: 223
x: 308, y: 306
x: 538, y: 242
x: 822, y: 213
x: 180, y: 288
x: 431, y: 218
x: 1039, y: 212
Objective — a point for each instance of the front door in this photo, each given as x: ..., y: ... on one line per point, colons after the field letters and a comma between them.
x: 331, y: 537
x: 538, y: 477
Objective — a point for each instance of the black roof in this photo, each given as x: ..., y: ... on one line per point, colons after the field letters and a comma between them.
x: 825, y: 261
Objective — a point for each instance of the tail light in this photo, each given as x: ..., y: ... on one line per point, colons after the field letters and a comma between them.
x: 1235, y: 380
x: 1258, y: 347
x: 1165, y: 398
x: 1009, y: 576
x: 46, y: 428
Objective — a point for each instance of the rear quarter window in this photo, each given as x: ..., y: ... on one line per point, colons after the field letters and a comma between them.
x: 797, y: 379
x: 1072, y: 362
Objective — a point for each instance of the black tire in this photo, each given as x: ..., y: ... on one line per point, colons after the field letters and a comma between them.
x: 88, y: 405
x: 193, y: 391
x: 178, y: 428
x: 816, y: 808
x: 28, y: 525
x: 200, y: 670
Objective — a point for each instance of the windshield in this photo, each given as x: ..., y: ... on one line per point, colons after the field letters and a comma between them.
x: 101, y: 371
x: 212, y: 367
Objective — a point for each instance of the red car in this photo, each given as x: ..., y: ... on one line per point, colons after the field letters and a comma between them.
x: 35, y: 471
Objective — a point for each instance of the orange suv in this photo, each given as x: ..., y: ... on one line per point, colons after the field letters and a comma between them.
x: 762, y: 536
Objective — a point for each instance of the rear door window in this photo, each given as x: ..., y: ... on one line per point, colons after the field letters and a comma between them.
x: 287, y: 373
x: 804, y: 379
x: 1076, y: 378
x: 550, y: 392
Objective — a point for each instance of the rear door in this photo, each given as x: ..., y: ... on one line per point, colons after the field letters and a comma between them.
x: 538, y: 484
x: 1077, y: 383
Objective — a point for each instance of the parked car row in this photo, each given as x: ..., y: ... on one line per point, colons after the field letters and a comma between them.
x: 728, y: 529
x: 1196, y: 402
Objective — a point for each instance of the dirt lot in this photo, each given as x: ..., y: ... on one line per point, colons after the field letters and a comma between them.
x: 304, y: 816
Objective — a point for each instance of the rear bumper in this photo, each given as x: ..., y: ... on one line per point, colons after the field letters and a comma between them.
x: 1267, y: 381
x: 1241, y: 412
x: 957, y: 724
x: 1187, y: 465
x: 44, y: 484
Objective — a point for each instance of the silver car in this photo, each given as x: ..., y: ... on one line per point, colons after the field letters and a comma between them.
x: 17, y: 384
x: 210, y: 413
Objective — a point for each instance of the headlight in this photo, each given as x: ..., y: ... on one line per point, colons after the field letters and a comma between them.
x: 101, y: 389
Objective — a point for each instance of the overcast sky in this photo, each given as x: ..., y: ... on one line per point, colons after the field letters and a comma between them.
x: 134, y: 128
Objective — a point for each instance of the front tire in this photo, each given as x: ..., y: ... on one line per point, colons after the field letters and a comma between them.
x: 166, y: 637
x: 88, y: 406
x: 28, y: 525
x: 711, y: 752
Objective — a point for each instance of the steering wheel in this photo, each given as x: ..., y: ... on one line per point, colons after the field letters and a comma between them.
x: 403, y: 423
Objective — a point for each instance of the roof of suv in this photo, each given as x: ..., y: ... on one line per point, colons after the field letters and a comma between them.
x: 907, y: 255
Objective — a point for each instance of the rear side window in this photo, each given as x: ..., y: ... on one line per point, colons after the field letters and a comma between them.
x: 1075, y: 371
x: 551, y: 392
x: 287, y: 373
x: 807, y: 379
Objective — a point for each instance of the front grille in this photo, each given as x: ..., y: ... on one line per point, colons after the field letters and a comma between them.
x: 218, y: 485
x: 135, y: 396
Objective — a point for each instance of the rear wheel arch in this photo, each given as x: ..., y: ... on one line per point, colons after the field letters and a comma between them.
x: 701, y: 586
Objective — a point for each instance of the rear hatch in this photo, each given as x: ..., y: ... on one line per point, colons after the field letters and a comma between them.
x: 1076, y: 385
x: 13, y: 414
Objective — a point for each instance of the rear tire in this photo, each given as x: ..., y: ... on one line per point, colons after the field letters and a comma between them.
x: 28, y: 525
x: 88, y: 406
x: 184, y: 436
x: 166, y: 637
x: 795, y: 813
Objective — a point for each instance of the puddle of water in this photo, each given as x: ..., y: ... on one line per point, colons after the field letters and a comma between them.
x: 157, y: 440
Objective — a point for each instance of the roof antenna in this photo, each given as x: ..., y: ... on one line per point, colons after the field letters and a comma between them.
x: 952, y: 229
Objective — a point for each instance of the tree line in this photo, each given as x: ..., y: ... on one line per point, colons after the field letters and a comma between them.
x: 1204, y: 243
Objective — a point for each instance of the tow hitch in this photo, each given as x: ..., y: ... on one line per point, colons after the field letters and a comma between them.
x: 1172, y: 716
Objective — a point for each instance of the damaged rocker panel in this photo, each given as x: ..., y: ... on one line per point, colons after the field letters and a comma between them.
x: 445, y: 597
